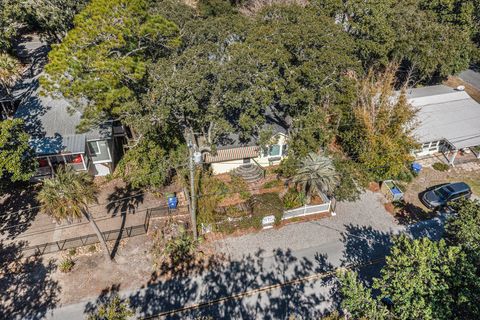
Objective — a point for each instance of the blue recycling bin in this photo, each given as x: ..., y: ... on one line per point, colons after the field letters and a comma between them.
x: 416, y: 167
x: 172, y: 202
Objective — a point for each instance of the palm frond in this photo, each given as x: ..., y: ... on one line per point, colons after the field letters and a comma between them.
x: 64, y: 196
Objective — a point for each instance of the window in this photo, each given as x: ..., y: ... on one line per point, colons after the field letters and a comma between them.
x: 94, y: 148
x: 274, y: 150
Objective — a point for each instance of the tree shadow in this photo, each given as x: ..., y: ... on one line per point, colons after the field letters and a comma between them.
x: 362, y: 246
x: 409, y: 213
x: 123, y: 201
x: 19, y: 209
x: 221, y: 279
x: 27, y: 290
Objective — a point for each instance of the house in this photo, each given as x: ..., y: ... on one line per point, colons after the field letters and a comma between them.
x: 52, y: 127
x: 448, y: 121
x: 234, y: 153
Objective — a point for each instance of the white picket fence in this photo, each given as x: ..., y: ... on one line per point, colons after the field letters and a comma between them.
x: 307, y: 210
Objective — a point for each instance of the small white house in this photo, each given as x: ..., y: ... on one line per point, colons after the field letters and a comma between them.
x: 232, y: 156
x: 448, y: 120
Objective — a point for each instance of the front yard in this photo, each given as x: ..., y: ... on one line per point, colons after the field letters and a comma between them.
x: 412, y: 208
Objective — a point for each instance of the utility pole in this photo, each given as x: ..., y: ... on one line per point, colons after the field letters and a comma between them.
x: 193, y: 196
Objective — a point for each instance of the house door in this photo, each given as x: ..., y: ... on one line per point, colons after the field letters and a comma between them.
x: 246, y: 160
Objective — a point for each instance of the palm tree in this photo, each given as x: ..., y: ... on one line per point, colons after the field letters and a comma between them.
x: 10, y: 71
x: 316, y: 175
x: 66, y: 197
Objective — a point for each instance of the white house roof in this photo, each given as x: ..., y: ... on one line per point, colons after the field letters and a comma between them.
x: 446, y: 113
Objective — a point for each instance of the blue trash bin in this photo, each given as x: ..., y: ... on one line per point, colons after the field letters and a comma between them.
x: 416, y: 167
x: 172, y: 202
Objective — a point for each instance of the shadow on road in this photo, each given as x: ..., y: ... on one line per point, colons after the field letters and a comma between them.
x: 223, y: 279
x: 27, y: 290
x: 123, y: 201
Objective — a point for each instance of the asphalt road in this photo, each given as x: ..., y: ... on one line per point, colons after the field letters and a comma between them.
x: 471, y: 77
x: 343, y: 244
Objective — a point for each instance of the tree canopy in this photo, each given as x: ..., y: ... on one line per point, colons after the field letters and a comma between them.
x: 422, y: 278
x: 101, y: 63
x: 17, y: 162
x: 221, y: 67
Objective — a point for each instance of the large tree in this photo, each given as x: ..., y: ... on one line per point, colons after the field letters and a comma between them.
x: 377, y: 130
x: 10, y: 72
x: 52, y: 18
x: 423, y: 279
x: 17, y: 161
x: 101, y: 63
x: 431, y: 37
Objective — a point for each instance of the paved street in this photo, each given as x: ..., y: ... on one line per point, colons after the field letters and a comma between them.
x: 472, y: 77
x: 359, y: 233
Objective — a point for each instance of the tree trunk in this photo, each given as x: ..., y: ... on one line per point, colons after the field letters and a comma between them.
x: 99, y: 234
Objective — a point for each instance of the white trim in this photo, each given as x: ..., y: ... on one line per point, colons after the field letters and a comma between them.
x: 102, y: 161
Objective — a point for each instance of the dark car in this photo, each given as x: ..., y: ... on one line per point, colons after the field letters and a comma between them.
x: 440, y: 196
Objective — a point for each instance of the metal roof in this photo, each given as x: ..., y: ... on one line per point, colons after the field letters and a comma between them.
x: 446, y: 113
x: 58, y: 144
x: 52, y: 123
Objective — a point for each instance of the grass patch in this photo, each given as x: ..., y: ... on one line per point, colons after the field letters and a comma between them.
x: 272, y: 184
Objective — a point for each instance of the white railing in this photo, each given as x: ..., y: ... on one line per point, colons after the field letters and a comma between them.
x: 306, y: 210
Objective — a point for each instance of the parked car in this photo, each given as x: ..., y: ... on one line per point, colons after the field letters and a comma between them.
x: 442, y: 195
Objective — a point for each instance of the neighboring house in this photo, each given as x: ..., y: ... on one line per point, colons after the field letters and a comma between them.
x: 448, y: 121
x: 234, y: 153
x: 52, y: 127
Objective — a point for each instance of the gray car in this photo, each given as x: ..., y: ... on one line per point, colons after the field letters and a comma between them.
x: 441, y: 196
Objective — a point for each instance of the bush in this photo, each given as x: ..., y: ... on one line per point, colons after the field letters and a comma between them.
x: 352, y: 179
x: 212, y: 191
x: 266, y: 204
x: 112, y: 309
x: 238, y: 185
x: 440, y: 166
x: 181, y: 248
x: 272, y: 184
x: 287, y: 168
x: 294, y: 199
x: 66, y: 265
x: 405, y: 176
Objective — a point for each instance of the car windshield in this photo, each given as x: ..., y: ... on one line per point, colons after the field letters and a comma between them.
x: 442, y: 193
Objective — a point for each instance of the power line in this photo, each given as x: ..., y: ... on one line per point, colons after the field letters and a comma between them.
x: 315, y: 276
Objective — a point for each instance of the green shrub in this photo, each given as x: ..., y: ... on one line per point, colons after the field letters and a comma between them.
x: 287, y: 167
x: 212, y: 191
x: 294, y: 199
x: 405, y: 176
x: 72, y: 252
x: 66, y: 265
x: 92, y: 248
x: 352, y: 179
x: 440, y: 166
x: 181, y: 248
x: 272, y: 184
x: 238, y: 185
x: 266, y: 204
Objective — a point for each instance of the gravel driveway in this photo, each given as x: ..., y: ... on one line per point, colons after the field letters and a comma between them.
x: 361, y: 218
